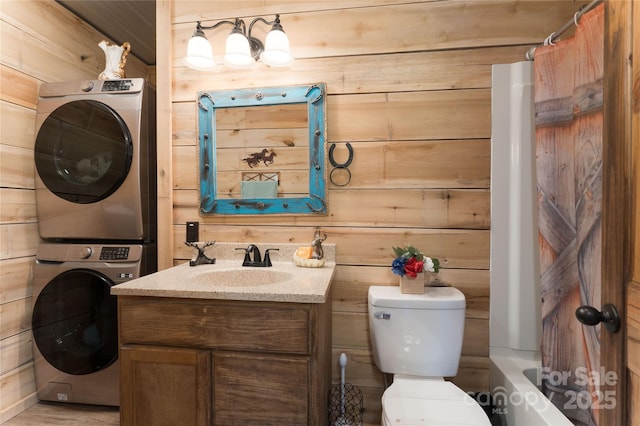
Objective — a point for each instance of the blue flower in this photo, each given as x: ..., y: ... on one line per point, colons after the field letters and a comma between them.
x: 397, y: 266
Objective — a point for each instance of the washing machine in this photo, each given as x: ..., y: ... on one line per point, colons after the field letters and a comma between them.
x: 95, y: 158
x: 74, y: 320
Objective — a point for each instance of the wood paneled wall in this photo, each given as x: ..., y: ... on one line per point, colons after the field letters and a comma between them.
x: 41, y: 42
x: 624, y: 31
x: 409, y: 88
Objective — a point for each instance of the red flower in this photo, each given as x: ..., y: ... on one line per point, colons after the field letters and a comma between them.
x: 413, y: 267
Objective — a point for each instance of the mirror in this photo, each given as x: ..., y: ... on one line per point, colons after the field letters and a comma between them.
x: 262, y: 151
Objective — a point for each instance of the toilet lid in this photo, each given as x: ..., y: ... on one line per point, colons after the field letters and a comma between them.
x: 435, y: 403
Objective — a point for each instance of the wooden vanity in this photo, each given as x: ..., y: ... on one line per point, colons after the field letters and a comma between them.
x: 212, y: 360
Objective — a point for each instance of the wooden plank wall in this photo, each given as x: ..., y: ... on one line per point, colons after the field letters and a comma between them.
x: 41, y: 42
x: 626, y: 117
x: 409, y: 88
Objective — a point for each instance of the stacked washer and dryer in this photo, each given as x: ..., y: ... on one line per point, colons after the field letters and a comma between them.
x: 95, y: 157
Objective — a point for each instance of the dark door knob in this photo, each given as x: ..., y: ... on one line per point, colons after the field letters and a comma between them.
x: 609, y: 316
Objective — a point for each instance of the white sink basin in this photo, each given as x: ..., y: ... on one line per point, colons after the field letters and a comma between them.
x: 245, y: 277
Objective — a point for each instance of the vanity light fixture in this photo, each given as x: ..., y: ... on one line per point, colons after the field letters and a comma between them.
x: 242, y: 50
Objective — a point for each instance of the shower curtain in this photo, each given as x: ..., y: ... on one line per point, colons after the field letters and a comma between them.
x: 568, y: 79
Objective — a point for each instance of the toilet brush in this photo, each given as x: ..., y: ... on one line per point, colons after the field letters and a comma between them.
x: 345, y: 400
x: 342, y: 421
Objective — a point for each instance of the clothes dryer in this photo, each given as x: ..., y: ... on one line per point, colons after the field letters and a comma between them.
x: 74, y: 320
x: 95, y: 160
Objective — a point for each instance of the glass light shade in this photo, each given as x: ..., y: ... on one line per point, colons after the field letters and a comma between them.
x: 238, y: 52
x: 199, y: 54
x: 276, y: 51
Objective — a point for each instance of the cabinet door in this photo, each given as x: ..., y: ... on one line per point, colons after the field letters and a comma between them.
x: 164, y: 386
x: 260, y: 390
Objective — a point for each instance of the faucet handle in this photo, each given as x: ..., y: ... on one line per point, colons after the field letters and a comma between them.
x: 267, y: 258
x: 247, y: 259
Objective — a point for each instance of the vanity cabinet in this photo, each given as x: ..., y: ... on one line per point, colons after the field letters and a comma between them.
x: 223, y: 362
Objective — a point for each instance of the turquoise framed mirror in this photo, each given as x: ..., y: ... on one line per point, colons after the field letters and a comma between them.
x: 262, y: 151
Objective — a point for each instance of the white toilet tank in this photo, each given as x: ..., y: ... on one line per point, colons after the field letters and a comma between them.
x: 417, y: 334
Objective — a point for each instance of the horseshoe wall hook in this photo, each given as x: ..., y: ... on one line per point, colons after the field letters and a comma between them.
x: 340, y: 166
x: 333, y: 161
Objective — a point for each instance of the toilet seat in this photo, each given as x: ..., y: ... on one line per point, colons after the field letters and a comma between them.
x: 421, y: 402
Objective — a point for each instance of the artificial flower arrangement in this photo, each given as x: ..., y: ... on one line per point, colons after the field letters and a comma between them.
x: 410, y: 261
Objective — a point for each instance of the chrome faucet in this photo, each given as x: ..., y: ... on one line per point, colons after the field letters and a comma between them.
x: 252, y: 256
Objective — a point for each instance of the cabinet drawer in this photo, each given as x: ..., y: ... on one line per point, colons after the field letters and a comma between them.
x: 233, y: 325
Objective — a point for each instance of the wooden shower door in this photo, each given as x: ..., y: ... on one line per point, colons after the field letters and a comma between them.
x: 620, y: 239
x: 579, y: 208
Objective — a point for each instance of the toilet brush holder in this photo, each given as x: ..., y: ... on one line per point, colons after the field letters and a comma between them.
x: 346, y: 405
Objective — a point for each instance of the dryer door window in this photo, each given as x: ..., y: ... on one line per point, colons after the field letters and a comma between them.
x: 75, y: 322
x: 83, y: 151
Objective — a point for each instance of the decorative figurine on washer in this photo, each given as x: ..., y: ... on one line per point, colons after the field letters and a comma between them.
x: 115, y: 58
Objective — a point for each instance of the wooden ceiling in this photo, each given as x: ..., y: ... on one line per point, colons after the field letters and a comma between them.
x: 122, y: 20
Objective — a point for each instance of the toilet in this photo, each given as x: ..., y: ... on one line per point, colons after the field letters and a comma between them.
x: 418, y: 339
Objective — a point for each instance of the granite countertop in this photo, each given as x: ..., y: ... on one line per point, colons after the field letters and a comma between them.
x: 227, y: 279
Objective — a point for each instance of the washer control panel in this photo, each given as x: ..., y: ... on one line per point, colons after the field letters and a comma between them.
x: 60, y: 252
x: 114, y: 253
x: 116, y: 85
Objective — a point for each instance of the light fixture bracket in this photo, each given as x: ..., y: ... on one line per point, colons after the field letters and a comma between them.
x: 256, y: 47
x: 200, y: 28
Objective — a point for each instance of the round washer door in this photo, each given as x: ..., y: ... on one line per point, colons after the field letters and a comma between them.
x: 75, y: 322
x: 83, y: 151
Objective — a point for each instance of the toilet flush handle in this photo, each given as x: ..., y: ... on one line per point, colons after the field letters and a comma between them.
x: 382, y: 315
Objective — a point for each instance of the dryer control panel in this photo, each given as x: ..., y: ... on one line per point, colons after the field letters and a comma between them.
x: 117, y: 85
x: 91, y: 87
